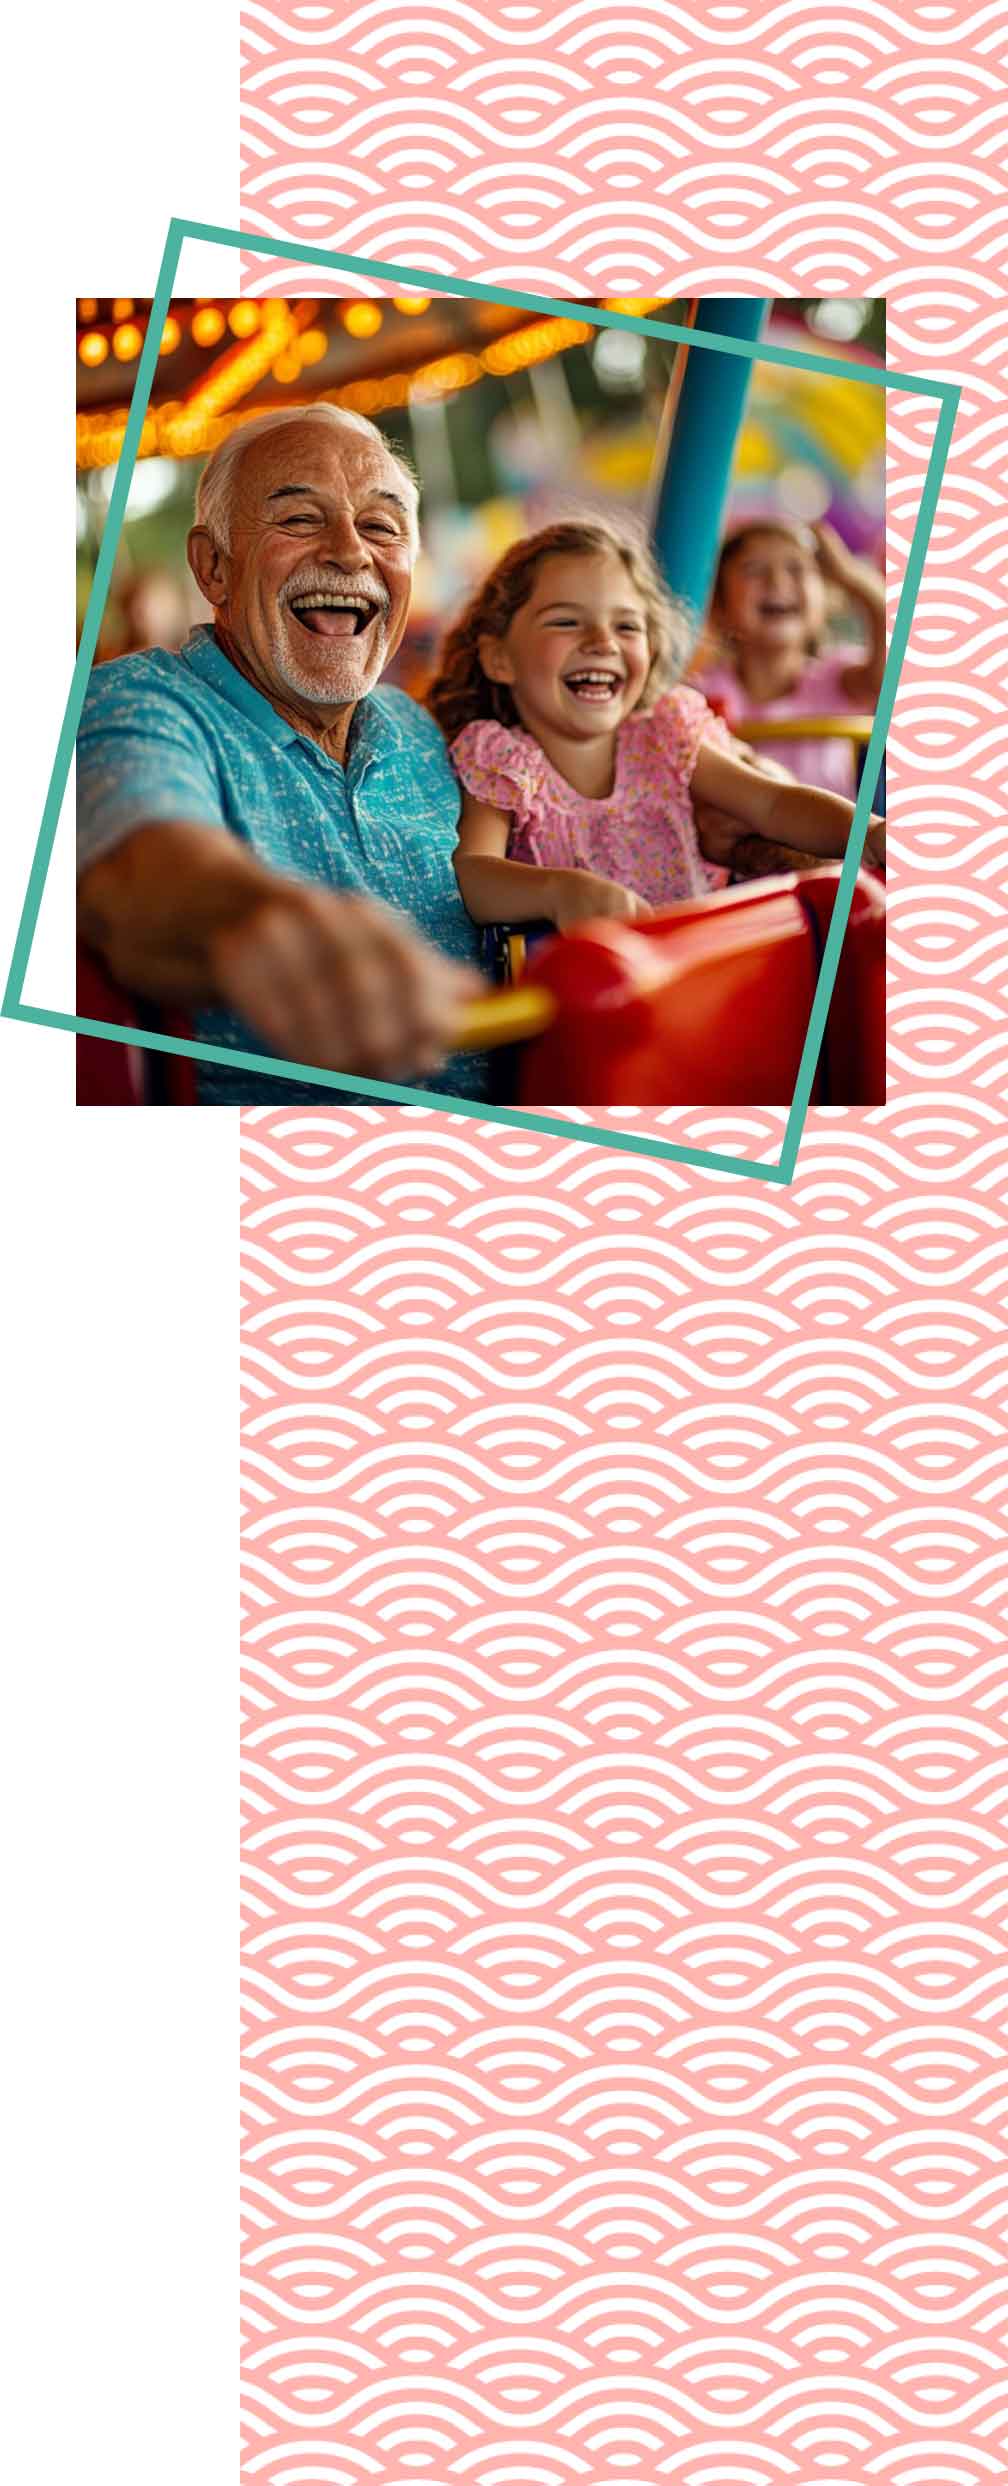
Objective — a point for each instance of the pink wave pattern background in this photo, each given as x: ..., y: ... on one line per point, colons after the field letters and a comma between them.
x: 623, y: 1552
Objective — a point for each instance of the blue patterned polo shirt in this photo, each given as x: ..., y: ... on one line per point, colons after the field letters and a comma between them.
x: 186, y: 737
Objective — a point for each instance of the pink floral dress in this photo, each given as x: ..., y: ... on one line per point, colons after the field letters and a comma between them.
x: 642, y: 834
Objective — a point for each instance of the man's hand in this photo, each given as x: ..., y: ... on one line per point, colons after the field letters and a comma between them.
x: 186, y: 914
x: 749, y: 856
x: 581, y: 897
x: 718, y: 834
x: 338, y: 981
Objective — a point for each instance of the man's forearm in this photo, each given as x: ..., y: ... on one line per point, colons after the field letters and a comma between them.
x: 155, y: 906
x: 186, y: 914
x: 753, y: 857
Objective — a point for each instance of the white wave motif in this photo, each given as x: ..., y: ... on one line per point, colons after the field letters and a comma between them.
x: 624, y: 1563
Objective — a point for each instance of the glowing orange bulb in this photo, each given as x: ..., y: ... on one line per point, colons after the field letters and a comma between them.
x: 287, y: 365
x: 127, y: 341
x: 93, y: 349
x: 207, y: 326
x: 87, y: 308
x: 313, y: 344
x: 171, y: 335
x: 410, y: 303
x: 244, y: 319
x: 123, y: 306
x: 635, y: 305
x: 362, y: 319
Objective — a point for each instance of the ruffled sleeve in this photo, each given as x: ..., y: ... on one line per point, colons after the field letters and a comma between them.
x: 682, y: 722
x: 498, y: 765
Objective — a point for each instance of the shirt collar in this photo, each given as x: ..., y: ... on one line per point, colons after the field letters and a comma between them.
x: 374, y: 731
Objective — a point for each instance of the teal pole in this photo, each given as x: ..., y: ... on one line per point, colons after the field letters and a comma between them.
x: 695, y: 452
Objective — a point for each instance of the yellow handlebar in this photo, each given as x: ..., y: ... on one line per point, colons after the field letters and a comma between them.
x: 506, y: 1018
x: 804, y: 729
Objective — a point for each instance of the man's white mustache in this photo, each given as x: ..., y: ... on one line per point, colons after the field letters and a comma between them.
x: 336, y: 583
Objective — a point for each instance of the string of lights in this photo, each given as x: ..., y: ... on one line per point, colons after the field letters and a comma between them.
x: 278, y: 340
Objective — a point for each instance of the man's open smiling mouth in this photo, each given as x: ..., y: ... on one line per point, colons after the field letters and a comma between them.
x: 334, y: 614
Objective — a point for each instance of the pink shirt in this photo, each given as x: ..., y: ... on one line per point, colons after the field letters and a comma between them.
x: 819, y: 693
x: 642, y: 834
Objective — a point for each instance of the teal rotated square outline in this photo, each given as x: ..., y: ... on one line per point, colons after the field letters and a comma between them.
x: 433, y: 282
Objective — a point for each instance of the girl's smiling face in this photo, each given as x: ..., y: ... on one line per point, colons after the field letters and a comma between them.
x: 772, y: 593
x: 576, y: 656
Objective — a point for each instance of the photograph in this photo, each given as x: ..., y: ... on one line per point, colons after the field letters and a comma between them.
x: 481, y: 698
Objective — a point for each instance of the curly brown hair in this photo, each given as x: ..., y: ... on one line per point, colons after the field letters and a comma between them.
x: 461, y: 691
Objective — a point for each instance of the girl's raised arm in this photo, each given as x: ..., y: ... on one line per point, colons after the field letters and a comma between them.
x: 862, y: 584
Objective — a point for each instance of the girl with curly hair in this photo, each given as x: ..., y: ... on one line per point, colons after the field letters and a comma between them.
x: 580, y: 758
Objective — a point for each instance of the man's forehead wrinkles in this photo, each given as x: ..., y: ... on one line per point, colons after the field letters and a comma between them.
x: 320, y: 492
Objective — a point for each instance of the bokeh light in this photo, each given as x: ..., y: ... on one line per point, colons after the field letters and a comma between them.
x: 208, y: 325
x: 362, y: 319
x: 843, y: 320
x: 804, y: 492
x: 618, y: 358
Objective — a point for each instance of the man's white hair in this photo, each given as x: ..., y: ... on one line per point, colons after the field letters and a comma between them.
x: 216, y: 489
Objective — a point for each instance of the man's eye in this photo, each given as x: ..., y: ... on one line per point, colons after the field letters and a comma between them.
x: 382, y: 526
x: 301, y: 518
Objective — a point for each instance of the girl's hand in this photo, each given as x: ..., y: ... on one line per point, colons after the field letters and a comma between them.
x: 832, y: 555
x: 582, y: 897
x: 842, y: 568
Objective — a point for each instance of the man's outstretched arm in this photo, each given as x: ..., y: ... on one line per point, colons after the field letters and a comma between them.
x: 182, y: 912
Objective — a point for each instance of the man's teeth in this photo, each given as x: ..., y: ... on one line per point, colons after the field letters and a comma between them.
x: 316, y: 602
x: 362, y: 604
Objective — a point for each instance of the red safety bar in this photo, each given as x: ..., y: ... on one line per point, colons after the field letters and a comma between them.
x: 707, y: 1005
x: 710, y: 1004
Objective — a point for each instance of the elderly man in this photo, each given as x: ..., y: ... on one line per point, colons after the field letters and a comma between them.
x: 252, y: 809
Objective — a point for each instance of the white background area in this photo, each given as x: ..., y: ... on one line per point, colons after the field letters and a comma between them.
x: 119, y: 1497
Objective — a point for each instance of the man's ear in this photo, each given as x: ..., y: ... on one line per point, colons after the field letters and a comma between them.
x: 494, y: 658
x: 206, y: 562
